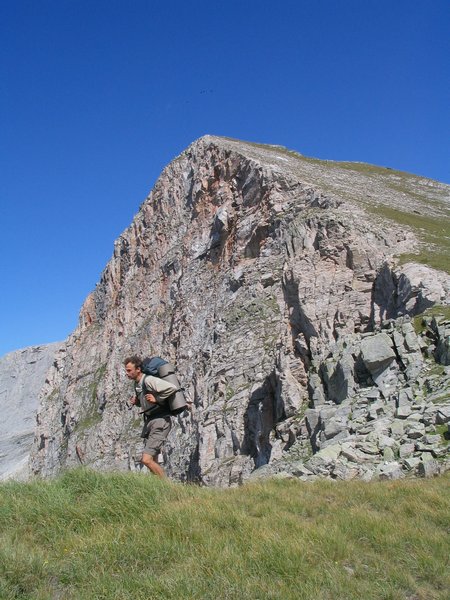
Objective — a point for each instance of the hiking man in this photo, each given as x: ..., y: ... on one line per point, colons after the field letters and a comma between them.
x: 150, y: 394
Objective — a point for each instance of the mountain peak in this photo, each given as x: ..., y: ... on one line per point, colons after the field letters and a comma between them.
x: 258, y: 272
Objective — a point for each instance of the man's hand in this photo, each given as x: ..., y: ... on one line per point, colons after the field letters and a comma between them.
x: 150, y: 398
x: 132, y: 400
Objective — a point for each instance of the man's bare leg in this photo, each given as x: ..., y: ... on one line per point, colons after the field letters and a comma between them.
x: 152, y: 464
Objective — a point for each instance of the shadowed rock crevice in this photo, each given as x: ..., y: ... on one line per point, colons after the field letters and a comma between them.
x: 410, y: 290
x: 259, y: 422
x: 300, y: 324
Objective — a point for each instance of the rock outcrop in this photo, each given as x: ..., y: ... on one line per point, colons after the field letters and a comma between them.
x: 380, y: 407
x: 262, y: 276
x: 22, y: 375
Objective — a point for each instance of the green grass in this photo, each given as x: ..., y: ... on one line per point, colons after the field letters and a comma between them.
x: 432, y: 231
x: 428, y: 215
x: 431, y: 225
x: 124, y: 536
x: 437, y: 310
x: 443, y: 431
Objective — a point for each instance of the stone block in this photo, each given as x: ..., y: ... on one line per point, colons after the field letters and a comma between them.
x: 411, y: 463
x: 331, y: 452
x: 345, y: 472
x: 397, y: 429
x: 432, y: 439
x: 443, y: 415
x: 421, y: 447
x: 340, y: 437
x: 312, y: 420
x: 415, y: 417
x: 298, y: 469
x: 368, y: 448
x: 404, y: 397
x: 416, y: 431
x: 377, y: 352
x: 442, y: 353
x: 440, y: 452
x: 375, y: 411
x: 403, y: 411
x: 412, y: 343
x: 428, y: 468
x: 332, y: 428
x: 388, y: 454
x: 390, y: 470
x: 350, y: 453
x: 406, y: 450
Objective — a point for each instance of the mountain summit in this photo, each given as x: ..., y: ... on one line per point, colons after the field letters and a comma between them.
x: 273, y: 282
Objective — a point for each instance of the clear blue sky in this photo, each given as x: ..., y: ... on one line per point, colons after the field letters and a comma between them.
x: 97, y: 96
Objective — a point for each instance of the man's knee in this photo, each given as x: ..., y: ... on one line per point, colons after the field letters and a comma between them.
x: 152, y: 464
x: 148, y: 459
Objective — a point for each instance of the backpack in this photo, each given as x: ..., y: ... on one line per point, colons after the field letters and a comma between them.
x: 158, y: 367
x: 151, y: 365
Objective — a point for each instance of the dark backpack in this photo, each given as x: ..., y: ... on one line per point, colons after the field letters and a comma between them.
x: 151, y: 365
x: 158, y: 367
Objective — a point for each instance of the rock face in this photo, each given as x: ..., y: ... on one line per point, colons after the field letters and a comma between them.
x: 22, y: 375
x: 390, y: 420
x: 246, y: 267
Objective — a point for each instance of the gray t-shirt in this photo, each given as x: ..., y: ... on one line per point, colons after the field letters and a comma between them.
x: 160, y: 389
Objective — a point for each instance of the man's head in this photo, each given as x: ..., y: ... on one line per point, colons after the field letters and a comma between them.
x: 133, y: 366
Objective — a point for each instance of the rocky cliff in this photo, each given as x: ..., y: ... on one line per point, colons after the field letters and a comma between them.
x: 271, y: 281
x: 22, y: 375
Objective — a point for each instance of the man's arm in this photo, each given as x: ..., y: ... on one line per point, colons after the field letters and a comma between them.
x: 159, y: 387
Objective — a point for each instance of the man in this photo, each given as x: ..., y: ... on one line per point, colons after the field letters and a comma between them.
x: 150, y: 394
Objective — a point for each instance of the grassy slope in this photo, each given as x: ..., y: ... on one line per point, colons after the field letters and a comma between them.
x: 417, y: 203
x: 428, y: 217
x: 124, y: 536
x: 426, y: 212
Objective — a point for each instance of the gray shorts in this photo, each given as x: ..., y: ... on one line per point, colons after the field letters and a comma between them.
x: 158, y: 430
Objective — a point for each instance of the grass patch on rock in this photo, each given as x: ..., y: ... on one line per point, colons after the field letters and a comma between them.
x: 434, y: 311
x: 431, y: 230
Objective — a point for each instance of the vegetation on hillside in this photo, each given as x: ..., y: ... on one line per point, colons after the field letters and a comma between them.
x: 432, y: 231
x: 417, y: 203
x: 93, y: 536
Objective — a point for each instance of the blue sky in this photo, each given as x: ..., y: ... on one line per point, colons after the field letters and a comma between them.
x: 97, y: 96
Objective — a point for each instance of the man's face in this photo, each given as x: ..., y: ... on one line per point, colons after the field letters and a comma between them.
x: 132, y: 371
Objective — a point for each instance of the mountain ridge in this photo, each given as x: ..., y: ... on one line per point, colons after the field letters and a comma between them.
x: 244, y: 269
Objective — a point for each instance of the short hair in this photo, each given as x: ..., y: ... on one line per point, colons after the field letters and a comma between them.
x: 134, y: 360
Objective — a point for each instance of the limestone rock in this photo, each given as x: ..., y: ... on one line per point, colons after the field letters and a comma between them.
x: 377, y: 352
x: 263, y: 277
x: 390, y: 470
x: 421, y: 287
x: 428, y: 468
x: 22, y: 375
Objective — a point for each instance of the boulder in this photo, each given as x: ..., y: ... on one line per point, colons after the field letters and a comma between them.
x: 390, y: 470
x: 377, y: 352
x: 428, y: 468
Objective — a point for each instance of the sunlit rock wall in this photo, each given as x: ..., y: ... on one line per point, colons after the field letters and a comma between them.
x: 242, y: 267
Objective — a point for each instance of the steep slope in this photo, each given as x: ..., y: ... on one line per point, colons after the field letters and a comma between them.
x: 243, y: 266
x: 22, y: 375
